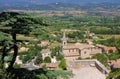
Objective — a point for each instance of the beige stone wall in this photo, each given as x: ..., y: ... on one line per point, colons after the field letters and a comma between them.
x: 45, y: 55
x: 70, y: 52
x: 88, y: 52
x: 84, y: 53
x: 72, y: 58
x: 96, y: 50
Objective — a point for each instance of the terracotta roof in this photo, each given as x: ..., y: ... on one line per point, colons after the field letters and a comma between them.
x: 106, y: 48
x: 45, y: 51
x: 109, y: 48
x: 49, y: 65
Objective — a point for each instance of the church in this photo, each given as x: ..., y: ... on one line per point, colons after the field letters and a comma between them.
x: 72, y: 51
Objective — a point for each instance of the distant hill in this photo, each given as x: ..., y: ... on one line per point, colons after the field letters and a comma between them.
x: 59, y: 4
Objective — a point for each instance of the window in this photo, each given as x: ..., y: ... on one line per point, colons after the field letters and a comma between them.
x: 73, y: 50
x: 64, y: 43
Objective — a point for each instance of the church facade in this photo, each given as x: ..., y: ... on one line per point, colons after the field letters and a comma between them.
x: 75, y: 50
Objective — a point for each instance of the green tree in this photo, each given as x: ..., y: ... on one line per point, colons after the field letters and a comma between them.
x: 17, y: 23
x: 117, y: 44
x: 42, y: 76
x: 39, y: 59
x: 102, y: 58
x: 56, y: 74
x: 5, y: 42
x: 76, y: 35
x: 4, y: 74
x: 114, y: 56
x: 31, y: 53
x: 56, y: 52
x: 63, y: 64
x: 114, y: 74
x: 59, y: 57
x: 47, y: 60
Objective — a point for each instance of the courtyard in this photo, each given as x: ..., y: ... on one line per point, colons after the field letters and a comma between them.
x: 87, y: 73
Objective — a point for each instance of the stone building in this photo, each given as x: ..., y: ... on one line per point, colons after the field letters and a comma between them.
x: 75, y: 50
x: 107, y: 49
x: 44, y: 43
x: 18, y: 61
x: 45, y: 53
x: 114, y: 64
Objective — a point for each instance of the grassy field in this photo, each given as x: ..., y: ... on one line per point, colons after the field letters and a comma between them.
x: 53, y: 12
x: 108, y: 36
x: 25, y: 38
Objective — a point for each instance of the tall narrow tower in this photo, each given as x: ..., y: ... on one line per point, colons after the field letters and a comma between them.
x: 64, y: 40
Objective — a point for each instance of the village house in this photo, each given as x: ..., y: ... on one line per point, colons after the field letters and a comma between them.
x: 18, y: 61
x: 107, y: 49
x: 73, y: 51
x: 89, y: 42
x: 53, y: 60
x: 45, y: 53
x: 114, y: 64
x: 44, y: 43
x: 23, y: 49
x: 89, y: 34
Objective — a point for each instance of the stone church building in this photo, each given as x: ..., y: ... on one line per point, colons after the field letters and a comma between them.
x: 72, y: 51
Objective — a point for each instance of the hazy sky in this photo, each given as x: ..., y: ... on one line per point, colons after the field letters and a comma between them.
x: 53, y: 1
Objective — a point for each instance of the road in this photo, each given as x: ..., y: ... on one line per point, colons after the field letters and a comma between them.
x: 31, y: 65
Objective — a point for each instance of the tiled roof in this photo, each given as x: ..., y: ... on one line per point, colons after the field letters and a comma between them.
x: 79, y: 46
x: 107, y: 48
x: 45, y: 51
x: 110, y: 48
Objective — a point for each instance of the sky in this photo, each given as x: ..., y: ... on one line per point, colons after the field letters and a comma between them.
x: 54, y: 1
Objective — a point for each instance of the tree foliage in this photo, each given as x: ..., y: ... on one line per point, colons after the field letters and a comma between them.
x: 17, y: 23
x: 114, y: 74
x: 39, y: 59
x: 76, y: 35
x: 107, y: 42
x: 56, y: 52
x: 47, y: 60
x: 102, y: 58
x: 58, y: 74
x: 117, y: 44
x: 63, y: 64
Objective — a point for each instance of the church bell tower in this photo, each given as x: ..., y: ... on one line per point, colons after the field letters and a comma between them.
x: 64, y: 40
